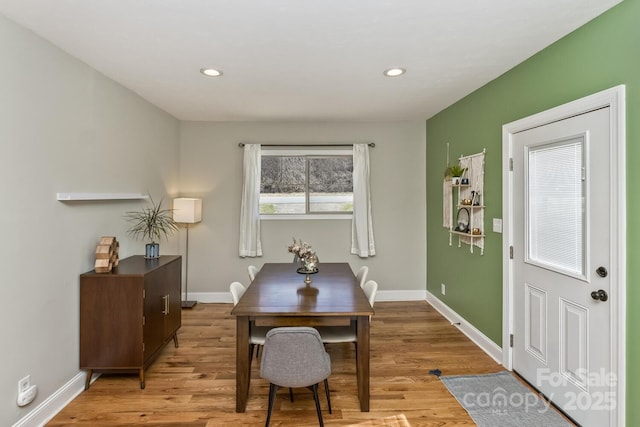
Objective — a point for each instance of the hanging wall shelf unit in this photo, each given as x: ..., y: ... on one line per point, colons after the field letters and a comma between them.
x: 69, y: 197
x: 469, y: 199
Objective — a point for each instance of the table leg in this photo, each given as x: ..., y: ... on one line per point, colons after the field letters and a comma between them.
x: 362, y: 362
x: 243, y: 366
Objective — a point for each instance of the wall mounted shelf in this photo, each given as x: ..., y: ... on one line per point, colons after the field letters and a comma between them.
x: 470, y: 217
x: 68, y: 197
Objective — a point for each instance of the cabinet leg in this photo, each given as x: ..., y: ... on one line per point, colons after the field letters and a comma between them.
x: 87, y: 382
x: 142, y: 379
x: 175, y: 339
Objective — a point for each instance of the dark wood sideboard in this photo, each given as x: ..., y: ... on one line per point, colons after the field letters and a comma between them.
x: 127, y: 316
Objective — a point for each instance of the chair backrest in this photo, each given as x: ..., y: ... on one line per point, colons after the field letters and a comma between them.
x: 253, y: 270
x: 361, y: 275
x: 294, y: 357
x: 236, y: 289
x: 370, y: 289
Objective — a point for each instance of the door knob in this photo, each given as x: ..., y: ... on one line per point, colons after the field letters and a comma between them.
x: 602, y: 272
x: 600, y: 294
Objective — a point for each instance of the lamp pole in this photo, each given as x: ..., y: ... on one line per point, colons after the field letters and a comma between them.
x: 186, y: 303
x: 187, y: 211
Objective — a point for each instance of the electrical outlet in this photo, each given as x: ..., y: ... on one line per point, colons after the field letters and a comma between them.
x: 443, y: 289
x: 24, y: 384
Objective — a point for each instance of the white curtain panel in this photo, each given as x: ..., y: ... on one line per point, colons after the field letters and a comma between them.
x: 362, y: 243
x: 250, y: 245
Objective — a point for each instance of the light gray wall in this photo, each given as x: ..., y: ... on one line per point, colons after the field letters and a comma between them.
x: 211, y: 168
x: 64, y: 128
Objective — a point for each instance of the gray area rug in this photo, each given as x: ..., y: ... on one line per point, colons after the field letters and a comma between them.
x: 500, y: 400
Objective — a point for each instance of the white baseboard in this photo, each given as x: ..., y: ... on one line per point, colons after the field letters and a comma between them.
x: 53, y: 404
x: 225, y: 297
x: 210, y: 297
x: 481, y: 340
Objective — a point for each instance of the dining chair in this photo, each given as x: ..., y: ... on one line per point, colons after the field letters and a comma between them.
x: 341, y: 334
x: 361, y: 275
x: 253, y: 270
x: 256, y: 333
x: 295, y: 357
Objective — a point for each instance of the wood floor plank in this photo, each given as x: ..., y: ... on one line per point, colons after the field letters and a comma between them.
x: 194, y: 385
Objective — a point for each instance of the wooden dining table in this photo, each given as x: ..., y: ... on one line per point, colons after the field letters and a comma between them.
x: 279, y: 296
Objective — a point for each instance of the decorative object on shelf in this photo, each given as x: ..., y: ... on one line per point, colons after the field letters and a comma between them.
x: 475, y: 198
x: 187, y: 211
x: 462, y: 220
x: 466, y: 202
x: 476, y: 232
x: 464, y: 181
x: 106, y: 254
x: 152, y: 223
x: 455, y: 172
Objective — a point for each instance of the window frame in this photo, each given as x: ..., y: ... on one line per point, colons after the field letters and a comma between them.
x: 307, y: 152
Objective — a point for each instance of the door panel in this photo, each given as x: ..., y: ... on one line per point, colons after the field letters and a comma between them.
x: 574, y: 342
x: 536, y: 322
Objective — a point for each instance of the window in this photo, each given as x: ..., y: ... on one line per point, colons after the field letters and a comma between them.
x: 555, y: 206
x: 304, y: 182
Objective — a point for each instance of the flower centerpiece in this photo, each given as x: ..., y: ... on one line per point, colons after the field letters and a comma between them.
x: 302, y: 252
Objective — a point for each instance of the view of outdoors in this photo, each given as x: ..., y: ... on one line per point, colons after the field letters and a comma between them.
x: 286, y: 182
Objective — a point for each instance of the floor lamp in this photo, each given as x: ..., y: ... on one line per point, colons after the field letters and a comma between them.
x: 187, y: 211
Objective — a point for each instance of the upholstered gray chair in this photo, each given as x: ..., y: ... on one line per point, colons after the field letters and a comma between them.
x: 257, y: 333
x: 252, y: 270
x: 361, y: 275
x: 295, y: 357
x: 339, y: 334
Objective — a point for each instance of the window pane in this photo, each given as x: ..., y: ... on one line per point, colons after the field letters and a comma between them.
x: 282, y: 185
x: 555, y: 195
x: 331, y: 184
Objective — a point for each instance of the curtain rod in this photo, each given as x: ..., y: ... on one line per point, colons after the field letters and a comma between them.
x: 371, y: 144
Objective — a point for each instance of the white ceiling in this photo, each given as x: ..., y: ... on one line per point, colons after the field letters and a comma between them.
x: 289, y: 60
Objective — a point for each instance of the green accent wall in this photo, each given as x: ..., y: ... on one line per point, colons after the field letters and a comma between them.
x: 602, y: 54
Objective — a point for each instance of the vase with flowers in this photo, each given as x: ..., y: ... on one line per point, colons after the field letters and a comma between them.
x: 303, y: 253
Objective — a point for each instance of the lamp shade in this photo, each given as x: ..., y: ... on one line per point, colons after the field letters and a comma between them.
x: 187, y: 210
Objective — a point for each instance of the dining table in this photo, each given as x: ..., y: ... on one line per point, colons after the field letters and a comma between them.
x: 282, y: 295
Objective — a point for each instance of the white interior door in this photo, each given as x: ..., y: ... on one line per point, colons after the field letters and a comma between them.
x: 561, y: 263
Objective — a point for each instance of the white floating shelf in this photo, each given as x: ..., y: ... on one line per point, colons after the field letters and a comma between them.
x: 64, y: 197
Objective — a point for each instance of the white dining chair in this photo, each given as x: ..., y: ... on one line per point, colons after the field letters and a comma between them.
x: 361, y: 275
x: 341, y: 334
x: 257, y: 334
x: 253, y: 270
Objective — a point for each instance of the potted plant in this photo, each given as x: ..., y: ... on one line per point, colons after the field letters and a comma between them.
x: 454, y: 172
x: 151, y: 224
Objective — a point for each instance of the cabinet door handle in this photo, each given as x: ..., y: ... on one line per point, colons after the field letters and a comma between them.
x: 166, y: 305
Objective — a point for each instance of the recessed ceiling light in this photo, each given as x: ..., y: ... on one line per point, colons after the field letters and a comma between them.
x: 394, y: 72
x: 211, y: 72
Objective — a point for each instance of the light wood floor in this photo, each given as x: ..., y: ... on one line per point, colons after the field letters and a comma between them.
x: 194, y: 385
